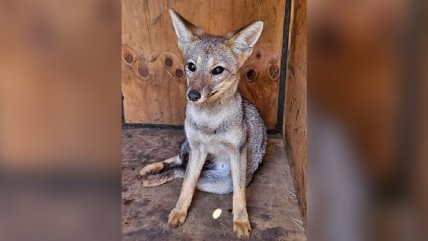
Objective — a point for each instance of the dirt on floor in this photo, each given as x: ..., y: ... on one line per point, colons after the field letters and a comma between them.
x: 271, y: 199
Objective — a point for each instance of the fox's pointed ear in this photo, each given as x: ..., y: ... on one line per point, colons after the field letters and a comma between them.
x: 185, y: 30
x: 242, y: 41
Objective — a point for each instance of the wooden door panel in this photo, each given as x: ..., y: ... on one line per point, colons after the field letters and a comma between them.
x: 153, y: 82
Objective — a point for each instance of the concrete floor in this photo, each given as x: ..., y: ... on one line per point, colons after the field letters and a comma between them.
x: 272, y: 204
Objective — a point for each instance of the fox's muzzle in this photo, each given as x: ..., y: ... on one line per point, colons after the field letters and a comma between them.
x: 193, y: 95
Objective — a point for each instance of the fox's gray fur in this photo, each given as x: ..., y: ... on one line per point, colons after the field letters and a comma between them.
x: 225, y: 134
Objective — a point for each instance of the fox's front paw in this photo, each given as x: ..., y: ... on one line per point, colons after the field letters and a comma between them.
x: 242, y: 229
x: 176, y: 217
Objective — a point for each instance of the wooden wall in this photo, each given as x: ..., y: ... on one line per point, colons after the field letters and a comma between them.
x: 295, y: 113
x: 357, y: 76
x: 153, y: 82
x: 59, y: 85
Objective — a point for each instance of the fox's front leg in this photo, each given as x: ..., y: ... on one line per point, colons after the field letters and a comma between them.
x: 241, y: 223
x: 196, y: 162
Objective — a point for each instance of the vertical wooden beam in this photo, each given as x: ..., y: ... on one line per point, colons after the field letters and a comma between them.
x: 295, y: 114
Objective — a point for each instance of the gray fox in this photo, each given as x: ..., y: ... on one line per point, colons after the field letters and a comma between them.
x: 225, y: 134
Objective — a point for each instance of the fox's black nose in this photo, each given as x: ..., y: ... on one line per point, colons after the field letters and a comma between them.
x: 194, y: 95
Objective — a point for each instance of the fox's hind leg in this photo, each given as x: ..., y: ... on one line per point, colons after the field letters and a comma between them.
x: 157, y: 167
x: 163, y: 177
x: 158, y: 173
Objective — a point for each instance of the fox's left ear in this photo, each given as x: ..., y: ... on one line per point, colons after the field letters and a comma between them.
x: 242, y: 41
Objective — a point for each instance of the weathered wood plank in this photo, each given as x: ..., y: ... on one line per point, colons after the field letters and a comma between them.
x: 295, y: 113
x: 153, y: 84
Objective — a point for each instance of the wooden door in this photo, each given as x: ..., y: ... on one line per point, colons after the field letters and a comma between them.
x: 153, y: 81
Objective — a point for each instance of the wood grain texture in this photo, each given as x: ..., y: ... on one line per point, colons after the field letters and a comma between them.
x: 295, y: 114
x: 153, y: 83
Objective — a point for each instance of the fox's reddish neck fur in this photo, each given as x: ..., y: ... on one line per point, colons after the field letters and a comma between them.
x: 221, y: 98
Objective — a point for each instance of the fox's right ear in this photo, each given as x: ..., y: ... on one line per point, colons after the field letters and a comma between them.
x: 185, y: 30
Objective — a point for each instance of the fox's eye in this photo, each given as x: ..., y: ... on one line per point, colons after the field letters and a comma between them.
x: 217, y: 70
x: 191, y: 67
